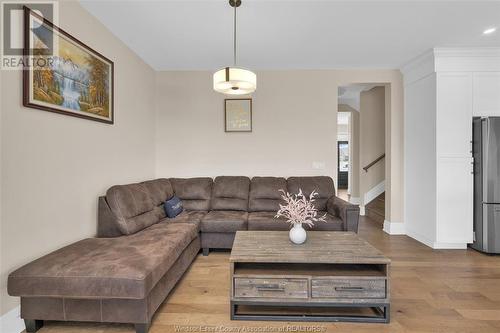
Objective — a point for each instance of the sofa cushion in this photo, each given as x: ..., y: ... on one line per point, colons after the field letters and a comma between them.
x: 230, y: 193
x: 193, y: 217
x: 224, y: 221
x: 160, y: 190
x: 333, y: 223
x: 133, y: 207
x: 265, y: 195
x: 195, y: 193
x: 123, y: 267
x: 323, y: 185
x: 267, y: 221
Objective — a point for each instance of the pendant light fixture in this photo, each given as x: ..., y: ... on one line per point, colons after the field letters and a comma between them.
x: 235, y: 80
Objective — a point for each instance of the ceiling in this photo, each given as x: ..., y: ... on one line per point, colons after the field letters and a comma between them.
x: 197, y: 35
x: 350, y: 94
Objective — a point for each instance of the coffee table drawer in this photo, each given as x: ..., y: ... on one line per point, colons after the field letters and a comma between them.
x: 270, y: 288
x: 348, y: 288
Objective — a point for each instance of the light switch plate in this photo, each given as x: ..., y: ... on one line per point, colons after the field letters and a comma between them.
x: 319, y: 165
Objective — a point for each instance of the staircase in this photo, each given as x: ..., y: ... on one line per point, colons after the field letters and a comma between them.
x: 375, y: 210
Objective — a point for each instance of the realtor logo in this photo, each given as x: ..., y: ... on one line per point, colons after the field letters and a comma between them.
x: 12, y: 36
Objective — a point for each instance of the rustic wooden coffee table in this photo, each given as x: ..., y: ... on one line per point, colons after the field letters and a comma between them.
x: 333, y: 276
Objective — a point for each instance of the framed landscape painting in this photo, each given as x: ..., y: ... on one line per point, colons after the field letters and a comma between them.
x: 238, y: 115
x: 64, y: 75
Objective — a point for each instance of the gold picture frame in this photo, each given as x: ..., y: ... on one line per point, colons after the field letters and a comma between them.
x: 75, y: 80
x: 238, y: 115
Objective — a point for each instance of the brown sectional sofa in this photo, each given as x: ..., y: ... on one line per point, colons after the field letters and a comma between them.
x: 125, y: 273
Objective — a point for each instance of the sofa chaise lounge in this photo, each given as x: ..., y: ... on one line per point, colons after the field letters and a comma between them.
x: 126, y: 272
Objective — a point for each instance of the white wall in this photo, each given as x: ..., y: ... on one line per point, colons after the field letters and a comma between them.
x: 54, y: 166
x: 486, y: 96
x: 420, y: 159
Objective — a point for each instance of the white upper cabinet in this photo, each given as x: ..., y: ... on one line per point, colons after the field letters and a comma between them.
x: 454, y: 114
x: 486, y: 94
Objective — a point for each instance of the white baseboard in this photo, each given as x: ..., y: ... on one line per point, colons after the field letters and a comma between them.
x: 374, y: 192
x: 394, y: 228
x: 355, y: 200
x: 11, y: 322
x: 362, y: 210
x: 418, y: 237
x: 449, y: 246
x: 436, y: 245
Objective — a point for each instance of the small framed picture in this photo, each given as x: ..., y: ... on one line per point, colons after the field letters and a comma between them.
x: 238, y: 115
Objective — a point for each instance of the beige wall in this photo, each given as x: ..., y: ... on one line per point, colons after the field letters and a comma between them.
x: 294, y: 124
x: 372, y: 138
x: 55, y: 166
x: 355, y: 156
x: 394, y: 152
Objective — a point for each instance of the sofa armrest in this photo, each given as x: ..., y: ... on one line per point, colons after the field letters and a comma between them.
x: 106, y: 220
x: 348, y: 213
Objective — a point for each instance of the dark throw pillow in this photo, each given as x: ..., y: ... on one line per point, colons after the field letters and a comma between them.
x: 173, y: 207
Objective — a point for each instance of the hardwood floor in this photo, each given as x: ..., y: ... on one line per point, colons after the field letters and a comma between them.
x: 375, y: 210
x: 432, y: 291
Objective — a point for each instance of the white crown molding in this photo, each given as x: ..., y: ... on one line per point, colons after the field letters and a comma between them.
x: 11, y: 321
x: 418, y: 67
x: 394, y: 228
x: 467, y: 51
x: 481, y: 59
x: 451, y: 59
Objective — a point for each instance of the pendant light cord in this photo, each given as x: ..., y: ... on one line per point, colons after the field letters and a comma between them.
x: 234, y: 37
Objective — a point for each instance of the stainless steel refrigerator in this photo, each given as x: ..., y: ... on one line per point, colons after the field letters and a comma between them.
x: 486, y: 153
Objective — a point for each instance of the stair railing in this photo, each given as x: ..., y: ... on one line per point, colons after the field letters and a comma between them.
x: 374, y: 162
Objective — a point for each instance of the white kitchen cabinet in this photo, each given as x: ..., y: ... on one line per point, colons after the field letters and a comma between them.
x: 486, y: 94
x: 454, y: 202
x: 454, y: 114
x: 466, y: 83
x: 454, y: 185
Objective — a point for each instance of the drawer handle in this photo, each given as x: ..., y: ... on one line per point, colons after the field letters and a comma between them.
x: 349, y: 288
x: 270, y: 287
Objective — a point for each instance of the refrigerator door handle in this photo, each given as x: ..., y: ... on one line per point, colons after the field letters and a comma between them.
x: 486, y: 219
x: 485, y: 122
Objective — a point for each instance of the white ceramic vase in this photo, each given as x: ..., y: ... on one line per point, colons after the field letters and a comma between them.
x: 297, y: 234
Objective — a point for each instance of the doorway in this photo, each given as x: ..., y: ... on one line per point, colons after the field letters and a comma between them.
x: 344, y: 168
x: 366, y: 106
x: 343, y: 164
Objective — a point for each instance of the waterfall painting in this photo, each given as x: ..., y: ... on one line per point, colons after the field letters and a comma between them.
x: 66, y: 76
